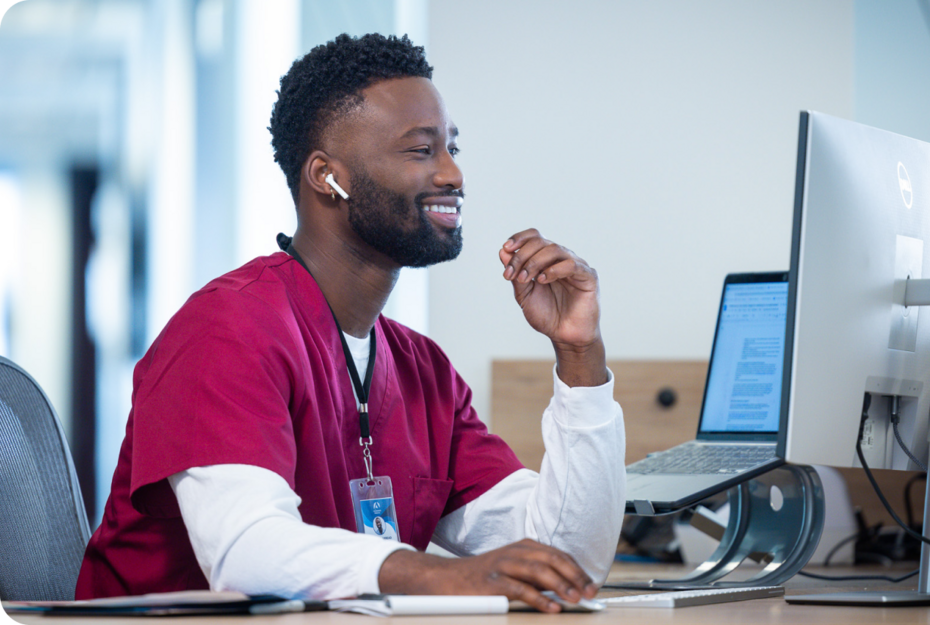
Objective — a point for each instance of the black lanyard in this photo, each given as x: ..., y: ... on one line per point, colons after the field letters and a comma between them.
x: 362, y: 390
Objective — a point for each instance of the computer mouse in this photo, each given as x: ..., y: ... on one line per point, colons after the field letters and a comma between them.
x: 584, y: 605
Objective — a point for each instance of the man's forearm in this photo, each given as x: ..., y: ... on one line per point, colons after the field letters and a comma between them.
x: 412, y: 572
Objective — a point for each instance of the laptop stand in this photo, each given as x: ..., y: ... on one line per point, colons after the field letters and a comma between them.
x: 779, y: 532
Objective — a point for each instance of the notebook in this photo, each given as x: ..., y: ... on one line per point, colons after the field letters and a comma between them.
x: 739, y: 425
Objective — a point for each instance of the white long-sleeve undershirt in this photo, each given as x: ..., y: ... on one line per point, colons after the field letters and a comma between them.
x: 247, y: 534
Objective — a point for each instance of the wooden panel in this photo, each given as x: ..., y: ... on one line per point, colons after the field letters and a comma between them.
x: 521, y: 390
x: 892, y: 483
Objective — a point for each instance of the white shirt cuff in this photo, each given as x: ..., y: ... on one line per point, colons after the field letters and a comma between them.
x: 583, y: 406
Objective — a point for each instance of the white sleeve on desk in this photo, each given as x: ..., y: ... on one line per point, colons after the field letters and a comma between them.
x: 575, y: 503
x: 248, y: 536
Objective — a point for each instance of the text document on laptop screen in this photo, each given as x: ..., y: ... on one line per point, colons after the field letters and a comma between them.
x: 744, y: 384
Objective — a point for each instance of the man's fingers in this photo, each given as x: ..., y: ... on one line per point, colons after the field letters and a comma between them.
x: 526, y: 260
x: 569, y: 269
x: 517, y: 240
x: 535, y: 258
x: 547, y: 577
x: 568, y: 569
x: 513, y: 244
x: 550, y: 569
x: 561, y: 562
x: 521, y: 591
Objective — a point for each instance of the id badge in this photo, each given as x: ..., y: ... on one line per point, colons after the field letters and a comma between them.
x: 373, y: 501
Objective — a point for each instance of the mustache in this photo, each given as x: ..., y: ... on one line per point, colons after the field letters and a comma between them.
x: 453, y: 193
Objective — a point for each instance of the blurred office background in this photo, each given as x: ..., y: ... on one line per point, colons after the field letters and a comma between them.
x: 656, y: 139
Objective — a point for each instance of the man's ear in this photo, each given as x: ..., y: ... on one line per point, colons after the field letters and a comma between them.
x: 318, y: 166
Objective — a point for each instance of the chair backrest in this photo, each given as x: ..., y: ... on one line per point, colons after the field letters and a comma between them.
x: 43, y: 525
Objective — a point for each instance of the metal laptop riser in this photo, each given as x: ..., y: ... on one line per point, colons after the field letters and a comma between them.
x: 784, y: 539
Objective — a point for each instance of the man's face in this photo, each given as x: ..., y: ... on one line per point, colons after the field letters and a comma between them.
x: 406, y: 190
x: 381, y: 218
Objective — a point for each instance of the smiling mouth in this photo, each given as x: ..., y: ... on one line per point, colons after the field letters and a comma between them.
x: 437, y: 208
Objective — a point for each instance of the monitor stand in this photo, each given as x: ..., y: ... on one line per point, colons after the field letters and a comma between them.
x: 782, y: 535
x: 916, y: 293
x: 885, y: 598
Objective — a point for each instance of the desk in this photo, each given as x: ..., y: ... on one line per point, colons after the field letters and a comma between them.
x: 758, y: 611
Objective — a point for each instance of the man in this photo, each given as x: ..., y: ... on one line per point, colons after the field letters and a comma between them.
x: 252, y: 462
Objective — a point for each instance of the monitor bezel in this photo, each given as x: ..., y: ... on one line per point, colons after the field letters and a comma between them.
x: 800, y: 176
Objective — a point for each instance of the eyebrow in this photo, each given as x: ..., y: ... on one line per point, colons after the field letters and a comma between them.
x: 432, y: 131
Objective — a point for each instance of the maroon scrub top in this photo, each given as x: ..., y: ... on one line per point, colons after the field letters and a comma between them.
x: 251, y: 370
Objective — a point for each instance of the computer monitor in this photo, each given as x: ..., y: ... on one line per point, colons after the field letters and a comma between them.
x: 861, y: 226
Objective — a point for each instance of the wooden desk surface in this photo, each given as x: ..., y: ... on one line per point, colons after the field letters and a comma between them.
x: 757, y: 611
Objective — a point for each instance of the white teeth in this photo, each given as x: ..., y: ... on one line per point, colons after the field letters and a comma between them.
x: 442, y: 209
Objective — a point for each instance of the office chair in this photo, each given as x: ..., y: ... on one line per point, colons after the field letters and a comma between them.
x: 43, y: 525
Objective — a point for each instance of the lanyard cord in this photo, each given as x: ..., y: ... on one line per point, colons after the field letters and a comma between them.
x: 362, y: 390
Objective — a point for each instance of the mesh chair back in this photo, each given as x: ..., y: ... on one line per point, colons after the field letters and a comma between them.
x: 43, y: 525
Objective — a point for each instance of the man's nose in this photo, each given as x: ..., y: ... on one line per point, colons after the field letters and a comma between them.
x: 449, y: 173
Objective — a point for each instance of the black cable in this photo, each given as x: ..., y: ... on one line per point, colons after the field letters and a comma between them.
x: 910, y: 454
x: 874, y: 558
x: 849, y: 578
x: 838, y: 546
x: 895, y: 419
x: 868, y: 473
x: 908, y: 503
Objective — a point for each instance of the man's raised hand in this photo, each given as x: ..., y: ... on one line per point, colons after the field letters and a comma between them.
x: 558, y: 293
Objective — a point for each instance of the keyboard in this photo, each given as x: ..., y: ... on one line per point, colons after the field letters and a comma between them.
x: 693, y: 459
x: 685, y: 598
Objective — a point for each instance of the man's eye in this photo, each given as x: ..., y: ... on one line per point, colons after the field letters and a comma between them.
x: 454, y: 151
x: 424, y: 150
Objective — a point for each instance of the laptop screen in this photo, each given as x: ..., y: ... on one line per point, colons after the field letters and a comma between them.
x: 744, y: 381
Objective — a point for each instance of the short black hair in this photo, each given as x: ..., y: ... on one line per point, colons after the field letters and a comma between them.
x: 326, y: 83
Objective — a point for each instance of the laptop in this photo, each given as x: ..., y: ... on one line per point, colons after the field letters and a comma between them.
x: 739, y: 426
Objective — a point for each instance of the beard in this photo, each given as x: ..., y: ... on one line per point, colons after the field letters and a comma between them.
x: 380, y: 217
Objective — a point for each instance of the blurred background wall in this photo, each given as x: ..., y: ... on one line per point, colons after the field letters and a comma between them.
x: 656, y: 139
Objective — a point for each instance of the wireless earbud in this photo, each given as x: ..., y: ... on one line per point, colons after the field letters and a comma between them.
x: 332, y: 182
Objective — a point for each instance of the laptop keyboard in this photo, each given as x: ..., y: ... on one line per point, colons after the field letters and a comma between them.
x: 690, y: 459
